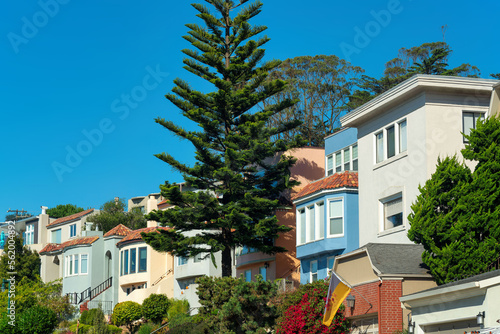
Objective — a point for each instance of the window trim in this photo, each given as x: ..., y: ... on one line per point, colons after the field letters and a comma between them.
x: 318, y: 220
x: 384, y: 145
x: 29, y: 236
x: 482, y: 116
x: 311, y: 272
x: 73, y: 265
x: 139, y: 266
x: 382, y: 218
x: 335, y: 199
x: 71, y: 228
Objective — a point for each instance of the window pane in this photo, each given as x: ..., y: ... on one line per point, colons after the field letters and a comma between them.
x: 126, y: 263
x: 133, y: 259
x: 336, y: 226
x: 321, y: 219
x: 402, y: 136
x: 248, y: 276
x: 76, y: 264
x: 338, y: 162
x: 302, y: 217
x: 71, y: 265
x: 355, y: 165
x: 263, y: 272
x: 331, y: 260
x: 329, y: 164
x: 355, y: 151
x: 391, y: 142
x: 310, y: 211
x: 393, y: 212
x: 314, y: 271
x: 121, y: 263
x: 468, y: 121
x: 347, y: 159
x: 380, y: 146
x: 143, y: 259
x: 197, y: 258
x: 336, y: 208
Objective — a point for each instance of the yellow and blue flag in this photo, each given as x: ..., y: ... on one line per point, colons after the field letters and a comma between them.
x: 337, y: 292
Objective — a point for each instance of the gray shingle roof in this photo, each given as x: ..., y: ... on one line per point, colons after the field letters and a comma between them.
x: 399, y: 259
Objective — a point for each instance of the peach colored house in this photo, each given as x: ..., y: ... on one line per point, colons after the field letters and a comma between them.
x: 310, y: 166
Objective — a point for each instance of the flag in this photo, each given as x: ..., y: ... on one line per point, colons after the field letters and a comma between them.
x: 337, y: 292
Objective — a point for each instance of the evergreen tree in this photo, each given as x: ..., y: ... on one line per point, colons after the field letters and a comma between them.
x: 240, y: 184
x: 112, y: 214
x: 63, y: 210
x: 456, y: 217
x: 24, y: 262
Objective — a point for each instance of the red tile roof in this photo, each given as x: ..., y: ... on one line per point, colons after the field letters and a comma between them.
x: 339, y: 180
x: 136, y: 234
x: 120, y: 229
x: 74, y: 242
x: 70, y: 218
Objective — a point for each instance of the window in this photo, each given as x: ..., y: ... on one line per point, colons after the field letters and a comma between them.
x: 70, y: 265
x: 329, y: 262
x: 302, y: 225
x: 143, y: 259
x: 248, y: 275
x: 342, y: 160
x: 336, y: 214
x: 84, y: 265
x: 263, y: 272
x: 182, y: 260
x: 390, y: 141
x: 56, y: 236
x: 30, y: 234
x: 197, y: 258
x: 313, y: 271
x: 76, y: 264
x: 470, y: 121
x: 393, y: 212
x: 311, y: 223
x: 246, y: 250
x: 72, y: 230
x: 121, y: 263
x: 133, y: 259
x: 125, y: 263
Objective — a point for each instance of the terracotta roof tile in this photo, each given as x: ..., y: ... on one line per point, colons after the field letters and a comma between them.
x: 70, y: 218
x: 73, y: 242
x: 339, y: 180
x: 120, y: 229
x: 136, y: 234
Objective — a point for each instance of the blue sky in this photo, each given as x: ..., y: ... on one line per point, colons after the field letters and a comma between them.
x: 81, y: 82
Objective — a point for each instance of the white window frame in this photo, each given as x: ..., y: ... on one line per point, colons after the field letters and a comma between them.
x: 71, y: 227
x: 29, y: 234
x: 385, y: 143
x: 329, y: 216
x: 382, y: 217
x: 318, y: 220
x: 52, y: 235
x: 301, y: 225
x: 72, y: 260
x: 481, y: 116
x: 81, y: 264
x: 311, y: 272
x: 343, y: 162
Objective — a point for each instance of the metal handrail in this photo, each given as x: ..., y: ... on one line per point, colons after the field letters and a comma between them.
x: 162, y: 277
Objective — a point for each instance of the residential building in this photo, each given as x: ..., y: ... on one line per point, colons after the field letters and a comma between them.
x: 401, y: 134
x: 327, y: 209
x: 464, y: 306
x: 381, y: 274
x: 284, y: 266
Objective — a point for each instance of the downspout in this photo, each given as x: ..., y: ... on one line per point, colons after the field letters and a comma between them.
x: 380, y: 307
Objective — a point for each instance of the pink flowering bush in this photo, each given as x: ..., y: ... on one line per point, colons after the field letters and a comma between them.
x: 302, y: 312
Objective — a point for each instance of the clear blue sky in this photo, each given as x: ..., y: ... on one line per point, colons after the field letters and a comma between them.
x: 72, y: 69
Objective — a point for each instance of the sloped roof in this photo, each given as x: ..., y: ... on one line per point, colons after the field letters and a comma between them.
x: 136, y: 234
x: 397, y: 259
x: 70, y: 218
x: 345, y: 179
x: 74, y: 242
x: 120, y: 230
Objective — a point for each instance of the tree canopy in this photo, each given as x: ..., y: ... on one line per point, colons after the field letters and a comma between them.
x: 24, y: 262
x: 112, y: 214
x: 456, y: 217
x: 239, y: 183
x: 63, y: 210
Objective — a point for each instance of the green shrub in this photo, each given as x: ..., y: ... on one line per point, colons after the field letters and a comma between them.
x: 88, y: 316
x: 82, y: 329
x: 147, y: 328
x: 37, y: 320
x: 113, y: 329
x: 5, y: 327
x: 155, y: 307
x: 125, y: 313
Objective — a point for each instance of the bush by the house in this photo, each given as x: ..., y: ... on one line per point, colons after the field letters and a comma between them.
x: 125, y: 314
x: 155, y: 307
x: 36, y: 320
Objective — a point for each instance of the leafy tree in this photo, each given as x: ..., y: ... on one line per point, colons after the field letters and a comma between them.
x: 231, y: 305
x: 24, y: 262
x: 15, y: 217
x: 125, y: 313
x: 302, y: 312
x: 37, y: 320
x: 495, y: 75
x: 239, y: 187
x: 155, y: 307
x: 428, y: 58
x: 113, y: 213
x: 456, y: 216
x: 63, y: 210
x: 322, y: 85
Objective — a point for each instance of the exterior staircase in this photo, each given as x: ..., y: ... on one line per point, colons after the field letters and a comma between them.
x: 87, y: 295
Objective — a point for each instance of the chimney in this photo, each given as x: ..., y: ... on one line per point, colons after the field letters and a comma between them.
x: 44, y: 210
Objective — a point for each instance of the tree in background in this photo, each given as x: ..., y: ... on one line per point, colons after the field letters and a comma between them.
x: 239, y: 185
x: 125, y: 314
x: 24, y: 262
x: 456, y: 217
x: 112, y: 214
x: 428, y: 58
x: 496, y: 76
x: 63, y: 210
x: 322, y: 85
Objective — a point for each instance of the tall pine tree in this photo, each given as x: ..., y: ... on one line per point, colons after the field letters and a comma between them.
x: 239, y: 185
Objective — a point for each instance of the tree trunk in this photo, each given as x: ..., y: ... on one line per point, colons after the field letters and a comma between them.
x: 227, y: 268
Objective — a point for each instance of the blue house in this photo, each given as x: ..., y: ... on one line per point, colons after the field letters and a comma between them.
x: 327, y: 209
